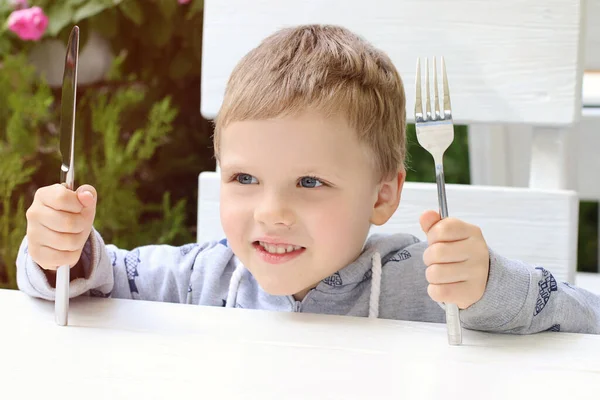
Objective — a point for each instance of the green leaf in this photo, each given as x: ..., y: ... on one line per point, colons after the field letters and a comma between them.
x: 89, y: 10
x: 43, y: 4
x: 59, y: 16
x: 134, y: 143
x: 115, y: 72
x: 5, y: 7
x: 167, y: 7
x: 133, y: 11
x: 75, y: 3
x: 196, y: 7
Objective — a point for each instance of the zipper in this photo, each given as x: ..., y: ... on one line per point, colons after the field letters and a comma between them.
x: 297, y: 305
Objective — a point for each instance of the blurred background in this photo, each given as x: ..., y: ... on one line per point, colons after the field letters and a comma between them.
x: 141, y: 140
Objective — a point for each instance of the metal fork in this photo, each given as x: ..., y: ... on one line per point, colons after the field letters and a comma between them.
x: 435, y: 133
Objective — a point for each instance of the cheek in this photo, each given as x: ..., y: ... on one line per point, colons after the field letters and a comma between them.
x: 342, y: 223
x: 233, y: 215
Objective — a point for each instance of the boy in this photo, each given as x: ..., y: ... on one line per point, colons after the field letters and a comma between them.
x: 311, y: 143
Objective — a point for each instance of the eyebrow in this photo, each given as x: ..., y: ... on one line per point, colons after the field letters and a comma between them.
x: 330, y: 175
x: 231, y: 166
x: 237, y: 165
x: 299, y: 172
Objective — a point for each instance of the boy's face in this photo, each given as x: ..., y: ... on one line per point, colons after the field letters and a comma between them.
x: 297, y: 198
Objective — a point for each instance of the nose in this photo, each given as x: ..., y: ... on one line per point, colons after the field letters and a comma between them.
x: 275, y: 209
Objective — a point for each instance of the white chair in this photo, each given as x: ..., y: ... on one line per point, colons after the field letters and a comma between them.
x: 592, y: 36
x: 535, y: 226
x: 502, y: 154
x: 509, y: 66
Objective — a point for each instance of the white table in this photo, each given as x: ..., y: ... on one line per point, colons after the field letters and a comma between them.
x: 133, y: 349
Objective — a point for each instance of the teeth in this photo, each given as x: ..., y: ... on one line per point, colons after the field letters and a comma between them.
x: 278, y: 249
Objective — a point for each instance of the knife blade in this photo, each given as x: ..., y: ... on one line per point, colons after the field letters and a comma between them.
x: 67, y: 171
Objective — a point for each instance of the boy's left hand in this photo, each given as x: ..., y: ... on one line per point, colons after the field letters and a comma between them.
x: 457, y: 260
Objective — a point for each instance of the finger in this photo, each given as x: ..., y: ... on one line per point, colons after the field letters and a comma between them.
x: 440, y: 274
x: 51, y: 259
x: 58, y: 241
x: 58, y: 221
x: 451, y: 230
x: 452, y: 293
x: 58, y: 198
x: 87, y: 195
x: 428, y: 219
x: 447, y: 252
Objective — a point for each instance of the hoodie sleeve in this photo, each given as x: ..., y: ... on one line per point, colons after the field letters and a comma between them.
x: 155, y: 272
x: 523, y: 299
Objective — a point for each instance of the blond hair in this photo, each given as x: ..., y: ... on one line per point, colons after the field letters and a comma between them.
x: 325, y: 68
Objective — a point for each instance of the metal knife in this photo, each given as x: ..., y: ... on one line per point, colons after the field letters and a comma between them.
x: 67, y: 172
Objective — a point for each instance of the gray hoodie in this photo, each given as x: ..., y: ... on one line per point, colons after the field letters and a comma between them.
x: 386, y: 281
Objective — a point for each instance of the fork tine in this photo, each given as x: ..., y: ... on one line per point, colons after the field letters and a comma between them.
x: 436, y: 90
x: 447, y: 108
x: 418, y: 99
x: 428, y: 104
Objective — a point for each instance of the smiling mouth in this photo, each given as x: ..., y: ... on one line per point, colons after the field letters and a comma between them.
x: 277, y: 248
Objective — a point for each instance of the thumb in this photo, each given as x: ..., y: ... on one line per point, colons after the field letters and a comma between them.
x: 428, y: 219
x: 87, y: 196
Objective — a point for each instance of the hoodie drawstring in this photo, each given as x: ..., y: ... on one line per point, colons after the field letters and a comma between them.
x: 375, y: 285
x: 376, y: 270
x: 234, y: 284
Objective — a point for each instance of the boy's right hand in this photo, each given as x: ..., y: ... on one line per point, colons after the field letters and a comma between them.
x: 59, y: 223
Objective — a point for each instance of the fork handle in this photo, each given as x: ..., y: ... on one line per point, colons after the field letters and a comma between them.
x: 441, y: 189
x: 452, y: 311
x: 453, y: 325
x: 61, y: 302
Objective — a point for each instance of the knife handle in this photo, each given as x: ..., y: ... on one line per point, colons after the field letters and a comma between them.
x: 61, y: 302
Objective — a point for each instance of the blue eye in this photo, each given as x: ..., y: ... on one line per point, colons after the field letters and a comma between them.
x: 310, y: 182
x: 245, y: 179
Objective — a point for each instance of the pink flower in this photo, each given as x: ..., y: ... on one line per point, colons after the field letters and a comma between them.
x: 183, y: 1
x: 28, y: 24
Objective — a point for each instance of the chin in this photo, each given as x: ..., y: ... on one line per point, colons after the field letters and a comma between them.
x: 276, y: 288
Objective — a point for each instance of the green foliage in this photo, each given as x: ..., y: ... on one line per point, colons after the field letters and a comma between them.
x: 65, y: 13
x: 109, y: 156
x: 157, y: 22
x: 140, y: 139
x: 112, y: 163
x: 456, y: 161
x: 587, y: 253
x: 24, y: 108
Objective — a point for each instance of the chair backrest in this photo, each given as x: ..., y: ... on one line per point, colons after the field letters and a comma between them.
x: 592, y: 35
x: 535, y: 226
x: 508, y: 61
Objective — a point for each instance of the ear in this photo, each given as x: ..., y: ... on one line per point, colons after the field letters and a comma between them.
x: 388, y: 198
